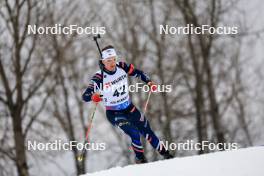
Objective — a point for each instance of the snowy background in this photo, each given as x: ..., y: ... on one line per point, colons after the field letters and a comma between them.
x: 42, y: 78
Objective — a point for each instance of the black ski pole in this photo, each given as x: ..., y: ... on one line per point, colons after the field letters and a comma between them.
x: 98, y: 47
x: 81, y: 156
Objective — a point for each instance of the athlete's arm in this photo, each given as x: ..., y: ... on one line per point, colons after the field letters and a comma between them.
x: 132, y: 71
x: 93, y: 87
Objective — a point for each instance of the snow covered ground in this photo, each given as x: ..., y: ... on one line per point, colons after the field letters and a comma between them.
x: 242, y: 162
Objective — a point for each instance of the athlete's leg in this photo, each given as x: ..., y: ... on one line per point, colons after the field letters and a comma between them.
x: 127, y: 127
x: 146, y: 131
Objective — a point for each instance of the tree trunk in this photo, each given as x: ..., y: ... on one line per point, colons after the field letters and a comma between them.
x: 20, y: 150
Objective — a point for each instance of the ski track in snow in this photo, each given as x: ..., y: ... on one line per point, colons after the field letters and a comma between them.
x: 241, y: 162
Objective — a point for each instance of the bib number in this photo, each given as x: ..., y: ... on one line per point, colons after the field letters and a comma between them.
x: 119, y: 92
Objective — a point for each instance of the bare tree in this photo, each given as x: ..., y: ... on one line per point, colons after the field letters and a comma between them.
x: 20, y: 79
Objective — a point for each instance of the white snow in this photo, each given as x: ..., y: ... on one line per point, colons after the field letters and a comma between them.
x: 241, y: 162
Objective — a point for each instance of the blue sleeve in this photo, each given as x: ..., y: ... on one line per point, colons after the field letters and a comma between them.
x: 132, y: 71
x: 93, y: 86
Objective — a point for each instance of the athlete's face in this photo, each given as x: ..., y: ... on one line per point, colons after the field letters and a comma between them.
x: 110, y: 63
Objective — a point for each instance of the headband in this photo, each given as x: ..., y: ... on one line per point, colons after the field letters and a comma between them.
x: 108, y: 53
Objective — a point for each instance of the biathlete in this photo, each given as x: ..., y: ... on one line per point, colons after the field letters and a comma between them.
x: 109, y: 85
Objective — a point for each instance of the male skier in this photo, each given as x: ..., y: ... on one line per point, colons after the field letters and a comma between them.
x: 111, y: 84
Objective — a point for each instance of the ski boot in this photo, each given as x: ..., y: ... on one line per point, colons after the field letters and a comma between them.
x: 141, y: 160
x: 167, y: 155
